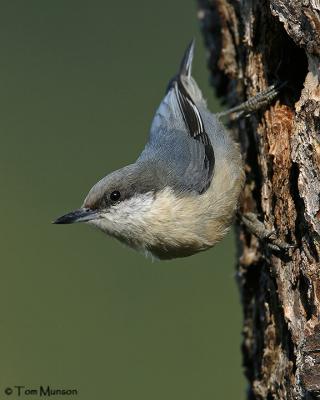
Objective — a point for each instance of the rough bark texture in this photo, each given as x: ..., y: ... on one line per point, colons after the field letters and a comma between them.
x: 253, y: 44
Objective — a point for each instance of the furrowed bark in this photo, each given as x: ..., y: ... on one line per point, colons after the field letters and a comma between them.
x: 252, y: 44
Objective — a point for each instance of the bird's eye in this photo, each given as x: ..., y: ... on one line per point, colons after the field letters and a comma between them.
x: 115, y: 196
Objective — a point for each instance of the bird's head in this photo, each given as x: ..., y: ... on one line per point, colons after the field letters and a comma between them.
x: 120, y: 204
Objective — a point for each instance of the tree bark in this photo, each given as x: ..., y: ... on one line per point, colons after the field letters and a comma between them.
x: 253, y: 44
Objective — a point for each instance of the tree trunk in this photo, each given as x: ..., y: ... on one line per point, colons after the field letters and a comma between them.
x: 253, y: 44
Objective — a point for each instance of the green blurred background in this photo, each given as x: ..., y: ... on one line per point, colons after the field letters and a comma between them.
x: 79, y: 83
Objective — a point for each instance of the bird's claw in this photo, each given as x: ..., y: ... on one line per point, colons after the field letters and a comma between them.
x: 253, y: 104
x: 258, y: 229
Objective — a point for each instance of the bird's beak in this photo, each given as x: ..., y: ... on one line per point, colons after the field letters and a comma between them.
x: 81, y: 215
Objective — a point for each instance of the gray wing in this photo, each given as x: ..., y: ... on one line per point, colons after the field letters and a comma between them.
x: 178, y: 142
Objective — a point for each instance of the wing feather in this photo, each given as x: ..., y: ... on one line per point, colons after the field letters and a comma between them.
x: 196, y: 130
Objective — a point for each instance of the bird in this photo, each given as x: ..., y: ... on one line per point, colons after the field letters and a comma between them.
x: 180, y: 196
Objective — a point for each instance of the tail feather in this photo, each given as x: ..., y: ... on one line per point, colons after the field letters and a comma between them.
x: 184, y: 80
x: 186, y: 63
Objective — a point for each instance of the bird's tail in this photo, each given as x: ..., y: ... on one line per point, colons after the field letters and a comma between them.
x: 186, y: 63
x: 185, y: 77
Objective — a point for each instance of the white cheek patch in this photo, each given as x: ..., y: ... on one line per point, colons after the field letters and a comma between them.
x: 128, y: 218
x: 135, y: 207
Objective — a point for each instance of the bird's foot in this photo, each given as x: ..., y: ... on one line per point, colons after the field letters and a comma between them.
x: 255, y: 103
x: 258, y: 229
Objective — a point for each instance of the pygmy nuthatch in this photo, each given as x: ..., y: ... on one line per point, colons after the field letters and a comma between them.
x: 181, y: 194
